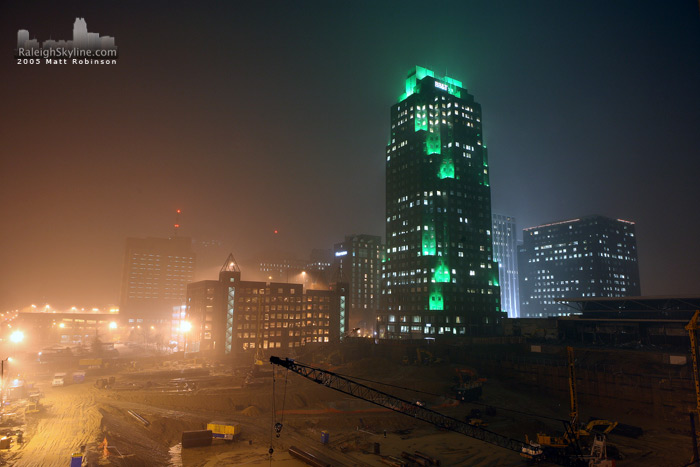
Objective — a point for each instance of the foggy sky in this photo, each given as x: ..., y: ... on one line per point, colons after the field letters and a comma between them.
x: 255, y: 116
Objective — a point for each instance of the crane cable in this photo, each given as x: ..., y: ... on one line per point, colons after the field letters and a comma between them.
x: 284, y: 399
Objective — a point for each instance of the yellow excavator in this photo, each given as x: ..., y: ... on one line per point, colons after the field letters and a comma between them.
x: 574, y: 431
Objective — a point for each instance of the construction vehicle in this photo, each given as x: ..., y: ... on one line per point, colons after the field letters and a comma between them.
x: 606, y: 426
x: 468, y: 387
x: 599, y: 455
x: 569, y: 441
x: 347, y: 386
x: 59, y: 379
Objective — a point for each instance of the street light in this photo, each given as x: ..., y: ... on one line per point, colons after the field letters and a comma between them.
x: 17, y: 336
x: 185, y: 327
x: 2, y: 382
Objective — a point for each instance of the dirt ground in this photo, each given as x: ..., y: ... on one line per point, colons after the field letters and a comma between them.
x: 82, y: 415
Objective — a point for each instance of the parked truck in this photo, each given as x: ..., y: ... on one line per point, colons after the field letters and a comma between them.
x: 59, y: 379
x: 224, y: 430
x: 79, y: 377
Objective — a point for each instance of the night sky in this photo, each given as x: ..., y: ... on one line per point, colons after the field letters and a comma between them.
x: 256, y: 116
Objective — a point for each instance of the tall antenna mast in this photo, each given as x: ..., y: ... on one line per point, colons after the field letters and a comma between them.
x: 177, y: 221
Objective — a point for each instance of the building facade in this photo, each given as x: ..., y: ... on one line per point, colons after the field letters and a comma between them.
x: 505, y: 251
x: 155, y: 276
x: 439, y: 274
x: 230, y: 315
x: 592, y: 256
x: 358, y: 262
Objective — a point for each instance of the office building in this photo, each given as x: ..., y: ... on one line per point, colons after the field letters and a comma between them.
x: 229, y: 316
x: 505, y: 251
x: 439, y: 276
x: 590, y: 256
x: 155, y: 276
x: 358, y: 262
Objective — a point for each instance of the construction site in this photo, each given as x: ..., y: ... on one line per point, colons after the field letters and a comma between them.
x: 487, y: 402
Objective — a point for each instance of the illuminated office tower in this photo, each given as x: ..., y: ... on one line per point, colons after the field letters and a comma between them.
x: 357, y: 262
x: 505, y: 252
x: 439, y: 275
x: 592, y: 256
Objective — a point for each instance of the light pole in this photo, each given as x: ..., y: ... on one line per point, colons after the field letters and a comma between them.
x: 2, y: 382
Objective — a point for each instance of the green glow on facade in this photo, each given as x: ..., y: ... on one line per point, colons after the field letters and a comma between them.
x: 433, y: 144
x: 429, y: 245
x: 442, y: 273
x: 447, y: 169
x: 435, y: 301
x: 421, y: 120
x: 417, y: 74
x: 453, y: 82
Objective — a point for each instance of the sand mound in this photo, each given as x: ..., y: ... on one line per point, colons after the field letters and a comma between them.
x: 251, y: 411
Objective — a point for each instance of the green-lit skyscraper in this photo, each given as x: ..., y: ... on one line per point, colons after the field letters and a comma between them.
x: 439, y: 274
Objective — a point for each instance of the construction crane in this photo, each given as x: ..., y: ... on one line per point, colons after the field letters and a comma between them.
x: 573, y: 430
x: 360, y: 391
x: 573, y: 396
x: 570, y: 439
x: 692, y: 328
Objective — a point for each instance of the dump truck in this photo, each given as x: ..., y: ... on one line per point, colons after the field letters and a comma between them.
x: 224, y: 430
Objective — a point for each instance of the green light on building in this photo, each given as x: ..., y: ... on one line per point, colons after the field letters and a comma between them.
x: 435, y: 300
x: 447, y: 169
x: 442, y: 273
x: 433, y: 144
x: 429, y: 246
x: 421, y: 120
x: 453, y: 82
x: 417, y: 74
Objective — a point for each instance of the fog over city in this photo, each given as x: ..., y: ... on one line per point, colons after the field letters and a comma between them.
x: 350, y: 233
x: 256, y: 118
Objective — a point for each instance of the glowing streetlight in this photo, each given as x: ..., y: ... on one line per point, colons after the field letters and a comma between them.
x: 113, y: 325
x: 62, y: 325
x: 185, y: 327
x: 17, y: 336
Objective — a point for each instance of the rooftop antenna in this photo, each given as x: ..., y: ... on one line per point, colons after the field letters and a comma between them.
x: 177, y: 221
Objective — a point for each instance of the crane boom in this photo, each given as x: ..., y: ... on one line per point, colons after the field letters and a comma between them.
x: 346, y: 386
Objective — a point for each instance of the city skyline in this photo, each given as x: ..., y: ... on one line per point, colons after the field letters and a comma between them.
x: 588, y: 109
x: 82, y: 39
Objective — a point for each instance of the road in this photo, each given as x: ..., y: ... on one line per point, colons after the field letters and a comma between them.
x: 69, y: 420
